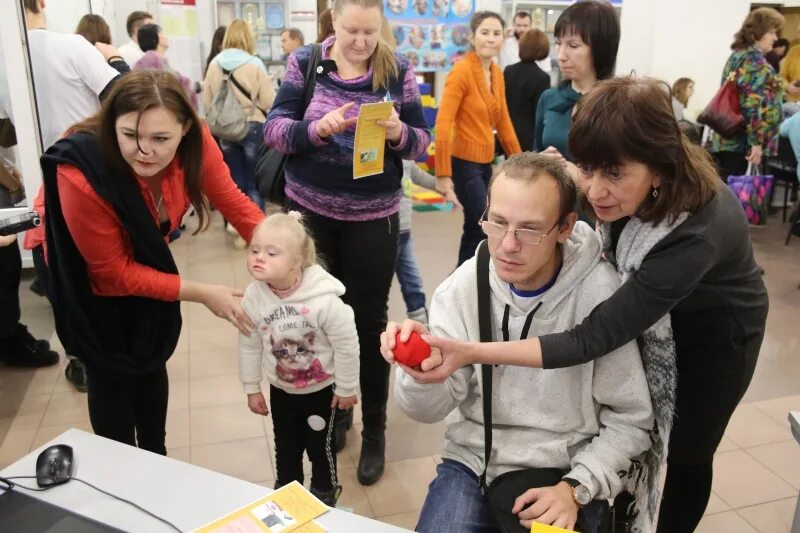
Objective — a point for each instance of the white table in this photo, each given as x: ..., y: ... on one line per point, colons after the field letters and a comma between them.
x: 186, y: 495
x: 794, y: 421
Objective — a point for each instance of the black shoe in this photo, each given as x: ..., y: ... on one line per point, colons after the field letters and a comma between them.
x: 37, y: 288
x: 22, y: 350
x: 76, y: 374
x: 341, y: 424
x: 373, y: 459
x: 328, y: 497
x: 373, y: 449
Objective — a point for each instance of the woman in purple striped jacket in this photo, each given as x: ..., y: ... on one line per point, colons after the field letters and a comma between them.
x: 354, y: 221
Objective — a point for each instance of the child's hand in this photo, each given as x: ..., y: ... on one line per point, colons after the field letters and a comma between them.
x: 257, y: 403
x: 344, y: 402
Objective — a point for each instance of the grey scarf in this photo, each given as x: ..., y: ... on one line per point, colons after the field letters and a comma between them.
x: 659, y: 360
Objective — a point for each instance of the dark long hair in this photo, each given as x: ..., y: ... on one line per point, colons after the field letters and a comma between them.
x: 140, y: 91
x: 216, y: 46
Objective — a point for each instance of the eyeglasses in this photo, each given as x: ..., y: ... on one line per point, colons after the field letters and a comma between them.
x: 525, y: 236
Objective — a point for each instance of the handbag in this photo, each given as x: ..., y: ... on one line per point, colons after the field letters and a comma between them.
x: 506, y: 488
x: 8, y: 134
x: 269, y: 171
x: 723, y: 113
x: 753, y: 189
x: 226, y: 118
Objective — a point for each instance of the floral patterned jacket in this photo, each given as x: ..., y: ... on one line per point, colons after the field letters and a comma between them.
x: 761, y: 99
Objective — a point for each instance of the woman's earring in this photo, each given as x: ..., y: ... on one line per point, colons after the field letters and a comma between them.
x: 655, y: 193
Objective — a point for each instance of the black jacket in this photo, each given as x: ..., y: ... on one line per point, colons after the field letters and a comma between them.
x: 704, y: 274
x: 124, y: 334
x: 525, y: 82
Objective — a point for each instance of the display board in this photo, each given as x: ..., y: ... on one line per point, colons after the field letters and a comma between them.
x: 431, y: 34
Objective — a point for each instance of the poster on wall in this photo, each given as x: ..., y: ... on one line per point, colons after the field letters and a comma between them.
x: 178, y: 18
x: 431, y: 34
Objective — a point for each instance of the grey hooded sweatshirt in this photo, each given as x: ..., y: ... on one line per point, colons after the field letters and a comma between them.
x: 589, y: 420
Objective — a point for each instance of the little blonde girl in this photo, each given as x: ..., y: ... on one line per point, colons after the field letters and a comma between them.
x: 305, y: 338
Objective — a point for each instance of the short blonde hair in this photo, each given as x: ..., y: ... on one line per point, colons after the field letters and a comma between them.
x: 306, y: 247
x: 239, y: 35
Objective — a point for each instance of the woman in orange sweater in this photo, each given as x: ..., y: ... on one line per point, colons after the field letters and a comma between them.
x: 472, y: 108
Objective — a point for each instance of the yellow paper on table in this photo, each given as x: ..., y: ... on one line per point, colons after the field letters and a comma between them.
x: 310, y: 527
x: 290, y: 508
x: 541, y: 528
x: 370, y: 139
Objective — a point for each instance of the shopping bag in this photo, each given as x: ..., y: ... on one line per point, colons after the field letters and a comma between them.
x: 724, y: 113
x: 753, y: 190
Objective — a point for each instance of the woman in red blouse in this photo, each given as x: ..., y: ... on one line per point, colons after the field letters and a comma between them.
x: 115, y: 188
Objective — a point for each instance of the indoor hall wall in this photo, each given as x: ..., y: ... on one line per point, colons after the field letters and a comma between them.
x: 680, y: 38
x: 63, y: 15
x: 669, y: 40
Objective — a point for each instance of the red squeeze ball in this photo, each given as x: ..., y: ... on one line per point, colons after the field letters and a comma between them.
x: 413, y: 352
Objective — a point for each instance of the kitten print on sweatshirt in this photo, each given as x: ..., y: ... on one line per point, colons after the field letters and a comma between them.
x: 291, y: 338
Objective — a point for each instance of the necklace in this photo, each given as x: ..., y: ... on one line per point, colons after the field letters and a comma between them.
x: 160, y: 200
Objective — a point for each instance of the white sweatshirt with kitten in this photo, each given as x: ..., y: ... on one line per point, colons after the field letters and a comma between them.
x: 304, y: 342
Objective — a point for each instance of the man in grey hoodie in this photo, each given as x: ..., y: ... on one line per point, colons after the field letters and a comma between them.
x: 546, y: 274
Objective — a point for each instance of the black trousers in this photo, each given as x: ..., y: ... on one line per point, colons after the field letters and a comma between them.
x: 43, y: 273
x: 129, y: 409
x: 730, y: 164
x: 471, y: 182
x: 294, y: 434
x: 710, y: 386
x: 362, y: 256
x: 10, y: 271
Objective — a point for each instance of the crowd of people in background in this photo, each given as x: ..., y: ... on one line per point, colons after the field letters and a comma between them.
x: 668, y: 261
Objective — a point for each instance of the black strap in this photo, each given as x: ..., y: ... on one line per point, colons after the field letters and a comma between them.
x: 239, y: 86
x: 311, y: 74
x: 525, y: 329
x: 310, y: 78
x: 485, y: 328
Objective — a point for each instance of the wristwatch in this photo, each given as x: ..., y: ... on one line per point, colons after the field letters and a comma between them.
x: 580, y: 492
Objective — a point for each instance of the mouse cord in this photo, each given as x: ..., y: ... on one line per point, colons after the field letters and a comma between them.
x: 11, y: 485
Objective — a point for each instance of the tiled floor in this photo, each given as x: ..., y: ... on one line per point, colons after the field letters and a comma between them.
x: 757, y: 468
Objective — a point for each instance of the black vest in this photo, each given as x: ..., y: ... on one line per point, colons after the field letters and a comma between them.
x: 120, y: 334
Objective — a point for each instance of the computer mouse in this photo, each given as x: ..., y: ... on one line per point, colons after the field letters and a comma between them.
x: 54, y: 466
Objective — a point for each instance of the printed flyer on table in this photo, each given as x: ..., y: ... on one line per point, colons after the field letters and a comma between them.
x: 289, y: 509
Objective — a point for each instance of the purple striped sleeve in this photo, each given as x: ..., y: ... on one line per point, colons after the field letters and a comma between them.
x: 416, y: 135
x: 285, y: 129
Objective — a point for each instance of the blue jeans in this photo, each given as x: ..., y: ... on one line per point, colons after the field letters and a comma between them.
x: 241, y: 158
x: 408, y: 274
x: 471, y: 181
x: 455, y: 505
